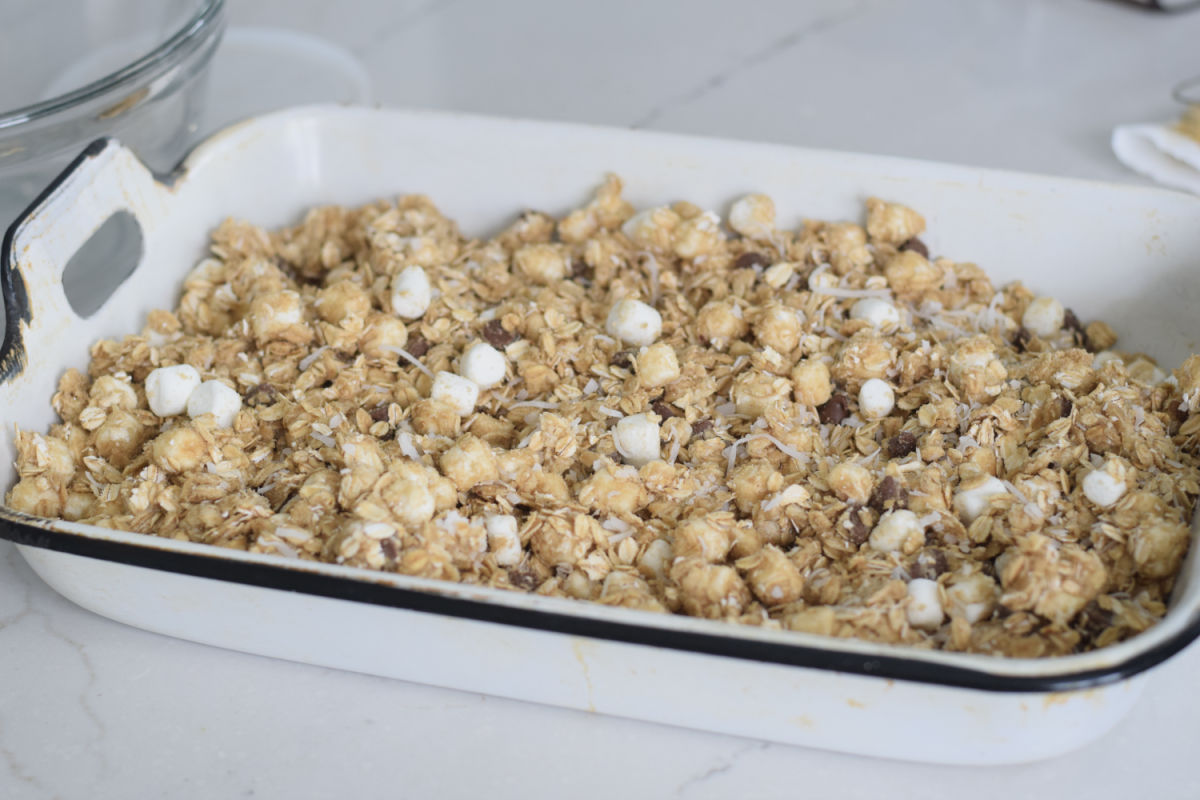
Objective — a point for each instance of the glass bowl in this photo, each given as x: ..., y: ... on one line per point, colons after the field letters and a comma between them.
x: 76, y: 70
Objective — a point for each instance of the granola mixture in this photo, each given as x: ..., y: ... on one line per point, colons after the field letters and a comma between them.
x: 820, y: 429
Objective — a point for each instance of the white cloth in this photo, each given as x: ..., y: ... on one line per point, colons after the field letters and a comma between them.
x: 1160, y: 153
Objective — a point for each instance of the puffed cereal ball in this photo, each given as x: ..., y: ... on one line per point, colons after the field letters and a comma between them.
x: 541, y: 263
x: 753, y: 216
x: 1043, y: 317
x: 409, y: 499
x: 119, y: 439
x: 469, y: 463
x: 342, y: 299
x: 483, y: 364
x: 1158, y: 547
x: 383, y: 337
x: 411, y: 293
x: 898, y: 531
x: 909, y: 273
x: 876, y: 312
x: 657, y: 365
x: 719, y: 323
x: 110, y: 392
x: 891, y: 222
x: 851, y: 482
x: 772, y: 577
x: 36, y: 495
x: 651, y: 227
x: 697, y: 236
x: 779, y: 328
x: 876, y: 399
x: 179, y: 450
x: 278, y: 315
x: 633, y: 322
x: 811, y: 382
x: 710, y: 590
x: 460, y: 393
x: 973, y: 500
x: 168, y: 389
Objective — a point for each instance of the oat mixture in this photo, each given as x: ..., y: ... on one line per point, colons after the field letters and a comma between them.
x: 818, y: 429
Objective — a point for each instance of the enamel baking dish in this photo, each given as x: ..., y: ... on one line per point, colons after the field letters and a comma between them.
x: 1127, y: 255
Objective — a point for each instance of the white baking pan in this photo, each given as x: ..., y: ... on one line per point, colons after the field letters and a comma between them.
x: 1127, y: 255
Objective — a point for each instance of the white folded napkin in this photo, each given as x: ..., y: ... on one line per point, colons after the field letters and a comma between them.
x: 1161, y: 152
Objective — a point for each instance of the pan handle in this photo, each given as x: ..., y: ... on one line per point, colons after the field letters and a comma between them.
x: 104, y: 179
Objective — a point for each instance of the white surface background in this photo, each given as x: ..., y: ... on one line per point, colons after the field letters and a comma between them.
x: 91, y: 708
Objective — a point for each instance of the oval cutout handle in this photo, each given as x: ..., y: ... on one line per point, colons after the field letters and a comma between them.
x: 105, y: 179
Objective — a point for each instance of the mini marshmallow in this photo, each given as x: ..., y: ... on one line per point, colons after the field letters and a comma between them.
x: 876, y: 312
x: 168, y: 388
x: 502, y: 538
x: 970, y: 503
x: 634, y: 322
x: 483, y: 364
x: 411, y: 293
x: 656, y: 560
x: 214, y: 397
x: 1043, y: 317
x: 876, y: 399
x: 1102, y: 488
x: 895, y: 529
x: 638, y: 439
x: 924, y: 606
x: 460, y: 393
x: 753, y: 216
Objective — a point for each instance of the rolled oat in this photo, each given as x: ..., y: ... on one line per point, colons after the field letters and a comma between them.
x: 823, y: 429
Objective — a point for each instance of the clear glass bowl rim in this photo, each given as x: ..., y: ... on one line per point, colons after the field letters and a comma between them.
x: 205, y: 21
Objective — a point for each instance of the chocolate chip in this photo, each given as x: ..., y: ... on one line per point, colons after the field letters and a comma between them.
x: 917, y: 246
x: 928, y: 565
x: 623, y: 359
x: 1065, y: 407
x: 580, y: 271
x: 750, y: 261
x: 1177, y: 415
x: 1078, y: 333
x: 854, y: 528
x: 700, y: 426
x: 388, y: 546
x: 901, y: 444
x: 379, y: 413
x: 663, y: 410
x: 888, y: 494
x: 1093, y: 621
x: 1021, y: 339
x: 417, y: 345
x: 835, y: 410
x: 268, y: 392
x: 524, y: 577
x: 494, y: 334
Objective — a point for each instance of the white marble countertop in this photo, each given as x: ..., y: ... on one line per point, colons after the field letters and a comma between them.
x: 91, y: 708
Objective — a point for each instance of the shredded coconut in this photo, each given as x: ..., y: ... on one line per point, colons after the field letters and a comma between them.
x: 410, y: 358
x: 312, y: 357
